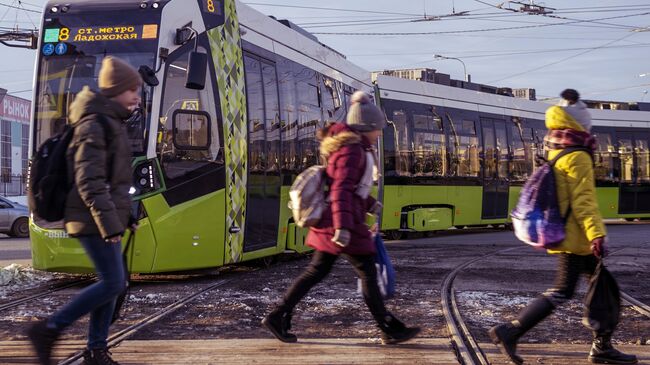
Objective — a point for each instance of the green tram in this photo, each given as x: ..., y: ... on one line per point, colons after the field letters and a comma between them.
x: 216, y: 143
x: 458, y: 157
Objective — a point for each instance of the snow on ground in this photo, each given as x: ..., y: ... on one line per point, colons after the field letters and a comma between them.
x: 15, y: 277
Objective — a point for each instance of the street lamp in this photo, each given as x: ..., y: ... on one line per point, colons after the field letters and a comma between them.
x: 440, y: 57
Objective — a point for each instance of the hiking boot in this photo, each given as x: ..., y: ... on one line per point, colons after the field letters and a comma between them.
x: 602, y: 352
x: 279, y: 323
x: 98, y: 357
x: 394, y: 331
x: 505, y: 336
x: 43, y: 339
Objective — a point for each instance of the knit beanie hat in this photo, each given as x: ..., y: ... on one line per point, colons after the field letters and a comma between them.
x: 363, y: 115
x: 117, y: 76
x: 576, y: 108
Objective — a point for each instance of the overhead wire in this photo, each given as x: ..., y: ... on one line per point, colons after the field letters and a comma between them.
x: 561, y: 60
x: 477, y: 30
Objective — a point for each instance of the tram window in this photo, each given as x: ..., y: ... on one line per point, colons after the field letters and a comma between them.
x: 467, y: 156
x: 255, y: 102
x: 429, y: 148
x: 429, y: 154
x: 403, y: 146
x: 522, y: 154
x: 502, y: 148
x: 191, y: 130
x: 604, y: 168
x: 309, y: 116
x: 272, y: 117
x: 626, y: 158
x: 333, y: 108
x: 489, y: 152
x: 642, y: 159
x: 288, y: 115
x: 194, y: 108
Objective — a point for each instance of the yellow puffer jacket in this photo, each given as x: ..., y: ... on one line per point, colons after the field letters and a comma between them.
x: 574, y: 175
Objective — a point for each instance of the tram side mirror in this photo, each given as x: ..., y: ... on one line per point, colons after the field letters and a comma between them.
x: 197, y: 66
x: 148, y: 75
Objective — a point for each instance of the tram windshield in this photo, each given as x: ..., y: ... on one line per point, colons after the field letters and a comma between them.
x: 72, y: 50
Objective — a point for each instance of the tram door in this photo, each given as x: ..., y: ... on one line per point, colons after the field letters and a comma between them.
x: 634, y: 190
x: 263, y: 203
x: 495, y: 169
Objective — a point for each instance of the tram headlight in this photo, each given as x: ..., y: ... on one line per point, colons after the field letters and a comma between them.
x: 54, y: 9
x: 146, y: 178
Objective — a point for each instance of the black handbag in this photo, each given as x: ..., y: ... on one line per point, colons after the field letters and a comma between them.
x: 603, y: 301
x: 121, y: 299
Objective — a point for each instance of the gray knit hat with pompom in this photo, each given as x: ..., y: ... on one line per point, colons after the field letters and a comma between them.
x: 363, y: 115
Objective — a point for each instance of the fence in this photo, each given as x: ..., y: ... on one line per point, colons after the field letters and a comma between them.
x: 12, y: 185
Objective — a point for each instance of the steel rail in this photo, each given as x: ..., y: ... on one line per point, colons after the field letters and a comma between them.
x: 17, y: 302
x: 465, y: 346
x: 124, y: 334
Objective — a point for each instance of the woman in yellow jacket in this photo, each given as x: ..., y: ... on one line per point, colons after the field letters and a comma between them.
x: 569, y: 125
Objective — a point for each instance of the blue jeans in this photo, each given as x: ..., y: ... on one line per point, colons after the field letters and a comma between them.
x: 97, y: 299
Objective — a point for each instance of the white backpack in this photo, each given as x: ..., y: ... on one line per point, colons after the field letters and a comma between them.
x: 307, y: 199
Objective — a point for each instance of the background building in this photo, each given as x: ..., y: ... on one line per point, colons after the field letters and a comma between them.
x: 14, y: 140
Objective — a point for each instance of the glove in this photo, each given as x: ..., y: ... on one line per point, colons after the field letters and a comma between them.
x: 341, y: 237
x: 599, y: 248
x: 133, y: 223
x: 376, y: 208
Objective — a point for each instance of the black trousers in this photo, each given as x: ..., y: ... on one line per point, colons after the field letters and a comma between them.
x: 569, y: 270
x: 321, y: 264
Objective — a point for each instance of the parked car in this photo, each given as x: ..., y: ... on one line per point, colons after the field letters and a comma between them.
x: 14, y: 218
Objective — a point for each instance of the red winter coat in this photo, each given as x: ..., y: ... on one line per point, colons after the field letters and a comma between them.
x: 345, y: 151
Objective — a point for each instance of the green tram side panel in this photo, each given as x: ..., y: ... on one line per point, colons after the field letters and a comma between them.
x: 189, y: 235
x: 608, y: 202
x: 464, y: 201
x: 53, y: 250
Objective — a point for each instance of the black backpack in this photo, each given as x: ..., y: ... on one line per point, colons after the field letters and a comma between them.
x: 47, y: 178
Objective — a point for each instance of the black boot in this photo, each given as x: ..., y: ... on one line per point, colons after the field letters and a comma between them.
x: 602, y: 352
x: 98, y: 357
x: 279, y: 323
x: 394, y: 331
x: 43, y: 339
x: 506, y: 335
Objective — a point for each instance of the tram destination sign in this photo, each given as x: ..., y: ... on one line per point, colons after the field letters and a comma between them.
x: 103, y: 33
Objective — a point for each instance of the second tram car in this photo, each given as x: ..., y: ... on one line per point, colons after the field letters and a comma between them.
x: 458, y: 157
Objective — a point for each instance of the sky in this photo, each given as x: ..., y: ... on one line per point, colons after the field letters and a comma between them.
x: 599, y: 48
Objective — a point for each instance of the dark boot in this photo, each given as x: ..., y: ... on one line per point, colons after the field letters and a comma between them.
x: 602, y: 352
x: 98, y: 357
x: 279, y: 323
x: 506, y: 335
x: 43, y: 339
x: 394, y: 331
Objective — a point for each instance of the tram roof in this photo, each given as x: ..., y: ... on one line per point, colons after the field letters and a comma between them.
x: 270, y: 34
x: 94, y: 5
x: 447, y: 96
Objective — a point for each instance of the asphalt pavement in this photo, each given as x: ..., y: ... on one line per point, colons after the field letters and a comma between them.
x: 14, y: 250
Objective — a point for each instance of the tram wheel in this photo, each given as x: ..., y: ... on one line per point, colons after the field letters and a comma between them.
x: 629, y: 219
x: 394, y: 234
x: 429, y: 233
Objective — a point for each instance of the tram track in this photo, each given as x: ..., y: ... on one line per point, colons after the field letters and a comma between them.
x: 464, y: 344
x: 467, y: 349
x: 117, y: 338
x: 16, y: 302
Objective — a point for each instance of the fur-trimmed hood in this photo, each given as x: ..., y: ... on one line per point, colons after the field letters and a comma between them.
x: 338, y: 136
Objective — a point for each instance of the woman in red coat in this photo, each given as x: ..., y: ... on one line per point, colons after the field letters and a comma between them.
x: 349, y: 152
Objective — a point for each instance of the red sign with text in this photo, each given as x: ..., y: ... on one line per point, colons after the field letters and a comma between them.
x: 15, y: 109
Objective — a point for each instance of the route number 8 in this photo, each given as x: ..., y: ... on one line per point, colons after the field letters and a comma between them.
x: 211, y: 6
x: 64, y: 34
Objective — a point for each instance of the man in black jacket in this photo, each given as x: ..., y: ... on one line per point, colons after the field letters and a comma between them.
x: 98, y: 206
